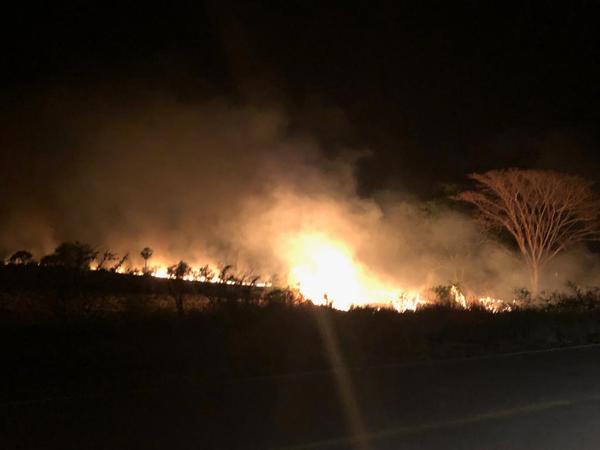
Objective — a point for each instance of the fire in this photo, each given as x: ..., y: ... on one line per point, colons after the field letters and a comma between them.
x: 326, y: 272
x: 495, y: 305
x: 196, y: 274
x: 161, y: 272
x: 458, y: 296
x: 408, y: 301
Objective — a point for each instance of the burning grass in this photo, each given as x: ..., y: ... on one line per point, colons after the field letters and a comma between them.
x: 40, y: 293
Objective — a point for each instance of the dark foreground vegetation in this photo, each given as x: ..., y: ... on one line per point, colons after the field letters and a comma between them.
x: 67, y: 332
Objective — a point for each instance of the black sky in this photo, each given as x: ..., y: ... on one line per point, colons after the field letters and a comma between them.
x: 434, y: 89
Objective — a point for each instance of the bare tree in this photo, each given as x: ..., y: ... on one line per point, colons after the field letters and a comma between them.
x: 225, y: 273
x: 120, y: 263
x: 177, y: 273
x: 545, y: 212
x: 146, y: 253
x: 205, y: 273
x: 106, y: 257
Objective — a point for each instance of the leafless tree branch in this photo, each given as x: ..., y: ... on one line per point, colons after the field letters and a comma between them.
x: 545, y: 211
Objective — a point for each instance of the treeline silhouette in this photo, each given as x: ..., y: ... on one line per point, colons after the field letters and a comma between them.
x: 80, y: 256
x: 62, y: 284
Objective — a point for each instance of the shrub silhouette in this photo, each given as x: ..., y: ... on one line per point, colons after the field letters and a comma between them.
x: 21, y: 257
x: 178, y: 272
x: 72, y: 255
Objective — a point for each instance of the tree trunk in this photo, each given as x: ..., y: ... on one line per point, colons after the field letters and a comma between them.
x: 535, y: 279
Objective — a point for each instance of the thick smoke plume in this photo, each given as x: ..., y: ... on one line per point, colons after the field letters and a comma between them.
x: 221, y: 183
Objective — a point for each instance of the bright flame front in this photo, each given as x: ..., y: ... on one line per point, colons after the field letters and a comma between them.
x: 326, y: 272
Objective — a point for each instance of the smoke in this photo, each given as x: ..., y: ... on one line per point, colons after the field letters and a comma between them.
x: 216, y: 182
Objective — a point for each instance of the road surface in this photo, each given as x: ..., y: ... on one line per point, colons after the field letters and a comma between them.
x: 541, y: 400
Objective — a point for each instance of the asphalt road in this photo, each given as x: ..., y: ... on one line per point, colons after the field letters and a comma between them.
x: 544, y: 400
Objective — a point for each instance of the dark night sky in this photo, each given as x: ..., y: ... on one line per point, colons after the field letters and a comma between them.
x: 434, y: 90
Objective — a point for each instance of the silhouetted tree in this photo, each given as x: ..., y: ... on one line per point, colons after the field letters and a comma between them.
x: 178, y: 272
x: 73, y: 255
x: 70, y: 284
x: 545, y: 212
x: 224, y: 274
x: 51, y: 260
x: 107, y: 256
x: 21, y: 257
x: 146, y: 253
x: 121, y: 262
x: 205, y: 273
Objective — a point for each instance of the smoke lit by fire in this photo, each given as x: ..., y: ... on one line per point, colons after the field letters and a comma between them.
x: 211, y: 183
